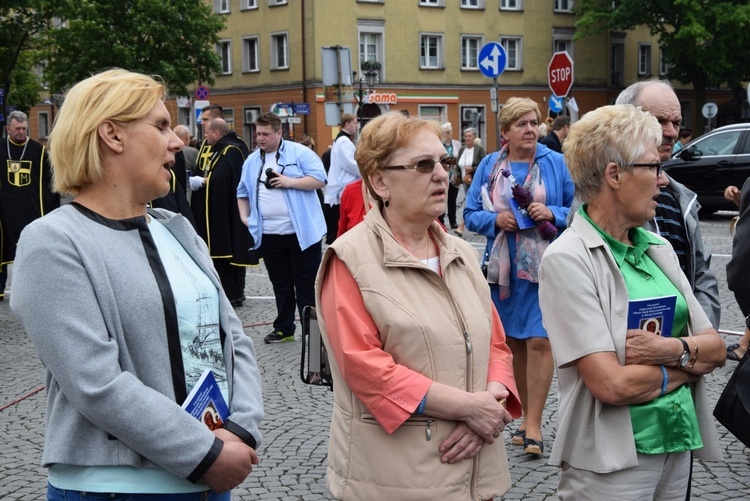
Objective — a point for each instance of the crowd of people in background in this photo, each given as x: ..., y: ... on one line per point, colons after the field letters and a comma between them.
x: 434, y: 349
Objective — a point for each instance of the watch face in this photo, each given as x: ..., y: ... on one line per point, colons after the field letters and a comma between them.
x: 684, y: 359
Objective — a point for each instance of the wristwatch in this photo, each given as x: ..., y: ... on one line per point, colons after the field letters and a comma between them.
x: 747, y: 321
x: 685, y: 357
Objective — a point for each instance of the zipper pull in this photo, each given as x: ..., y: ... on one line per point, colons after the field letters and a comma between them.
x: 428, y: 431
x: 468, y: 343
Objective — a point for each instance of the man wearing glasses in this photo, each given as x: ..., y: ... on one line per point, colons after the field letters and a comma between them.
x: 677, y: 210
x: 278, y: 203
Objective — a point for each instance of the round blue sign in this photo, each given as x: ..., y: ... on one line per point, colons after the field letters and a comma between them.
x: 201, y: 92
x: 492, y: 59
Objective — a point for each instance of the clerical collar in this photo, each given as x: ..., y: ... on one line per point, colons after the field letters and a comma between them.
x: 18, y: 144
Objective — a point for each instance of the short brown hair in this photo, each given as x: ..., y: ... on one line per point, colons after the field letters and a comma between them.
x: 382, y: 137
x: 347, y: 118
x: 269, y: 119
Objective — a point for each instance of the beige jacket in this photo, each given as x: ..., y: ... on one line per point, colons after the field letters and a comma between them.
x: 422, y: 320
x: 579, y: 265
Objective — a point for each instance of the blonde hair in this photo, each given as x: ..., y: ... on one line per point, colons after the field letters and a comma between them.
x: 383, y: 136
x: 117, y: 95
x: 619, y: 133
x: 515, y: 108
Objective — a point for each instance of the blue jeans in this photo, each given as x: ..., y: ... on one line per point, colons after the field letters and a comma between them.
x: 55, y: 494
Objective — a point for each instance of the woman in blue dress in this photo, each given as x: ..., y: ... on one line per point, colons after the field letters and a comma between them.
x: 519, y: 224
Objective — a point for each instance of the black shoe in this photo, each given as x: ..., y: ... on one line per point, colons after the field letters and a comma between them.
x: 237, y: 302
x: 454, y: 226
x: 2, y: 297
x: 278, y: 337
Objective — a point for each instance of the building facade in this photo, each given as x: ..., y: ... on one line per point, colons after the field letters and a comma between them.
x: 427, y: 50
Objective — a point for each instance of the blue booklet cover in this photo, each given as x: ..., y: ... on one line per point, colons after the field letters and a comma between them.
x: 654, y: 314
x: 522, y: 217
x: 206, y: 403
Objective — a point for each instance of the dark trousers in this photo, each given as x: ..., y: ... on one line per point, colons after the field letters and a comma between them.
x: 232, y: 279
x: 452, y: 196
x: 292, y: 273
x: 331, y: 214
x: 3, y: 279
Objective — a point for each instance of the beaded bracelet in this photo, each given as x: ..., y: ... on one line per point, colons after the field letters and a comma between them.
x: 664, y: 380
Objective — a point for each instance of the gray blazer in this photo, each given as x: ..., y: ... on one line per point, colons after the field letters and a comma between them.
x: 89, y: 293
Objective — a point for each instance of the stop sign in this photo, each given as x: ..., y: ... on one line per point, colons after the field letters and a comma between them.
x: 560, y: 73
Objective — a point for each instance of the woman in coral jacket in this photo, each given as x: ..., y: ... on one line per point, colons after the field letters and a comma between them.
x: 423, y: 377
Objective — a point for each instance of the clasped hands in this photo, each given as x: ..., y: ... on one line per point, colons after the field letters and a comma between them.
x: 537, y: 211
x: 484, y: 423
x: 234, y: 464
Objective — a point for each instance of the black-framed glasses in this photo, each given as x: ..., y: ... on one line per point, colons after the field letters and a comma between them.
x: 425, y: 166
x: 659, y: 166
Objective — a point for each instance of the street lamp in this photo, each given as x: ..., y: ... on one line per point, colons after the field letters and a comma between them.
x: 370, y: 69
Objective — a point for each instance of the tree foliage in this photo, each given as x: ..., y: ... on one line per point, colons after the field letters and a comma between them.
x: 22, y: 24
x: 174, y: 39
x: 705, y: 41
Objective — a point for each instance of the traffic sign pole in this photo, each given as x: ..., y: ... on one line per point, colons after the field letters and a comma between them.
x: 492, y: 61
x: 497, y: 107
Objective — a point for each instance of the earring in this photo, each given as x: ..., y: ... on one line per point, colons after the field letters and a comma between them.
x: 386, y: 203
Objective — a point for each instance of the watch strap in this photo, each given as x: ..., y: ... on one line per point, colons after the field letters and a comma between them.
x: 685, y: 357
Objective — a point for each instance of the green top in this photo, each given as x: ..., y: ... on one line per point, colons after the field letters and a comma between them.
x: 668, y: 423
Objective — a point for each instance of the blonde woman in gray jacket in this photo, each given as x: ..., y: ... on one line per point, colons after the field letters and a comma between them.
x: 126, y: 312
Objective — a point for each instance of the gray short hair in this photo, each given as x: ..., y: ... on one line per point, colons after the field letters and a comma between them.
x: 18, y: 116
x: 632, y: 94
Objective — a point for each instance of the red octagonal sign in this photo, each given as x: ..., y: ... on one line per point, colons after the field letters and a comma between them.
x: 560, y: 74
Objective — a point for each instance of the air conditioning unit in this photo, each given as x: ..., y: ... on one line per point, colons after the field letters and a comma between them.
x: 469, y: 114
x: 251, y: 116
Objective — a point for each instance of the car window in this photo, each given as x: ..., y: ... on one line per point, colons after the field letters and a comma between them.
x: 723, y: 143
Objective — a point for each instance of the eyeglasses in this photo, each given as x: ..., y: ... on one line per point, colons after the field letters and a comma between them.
x: 425, y: 166
x: 656, y: 165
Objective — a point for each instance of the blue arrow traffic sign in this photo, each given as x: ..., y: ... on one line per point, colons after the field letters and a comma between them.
x: 555, y: 104
x: 492, y: 59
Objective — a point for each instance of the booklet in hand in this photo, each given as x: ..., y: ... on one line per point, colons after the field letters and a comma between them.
x: 654, y: 314
x: 206, y: 403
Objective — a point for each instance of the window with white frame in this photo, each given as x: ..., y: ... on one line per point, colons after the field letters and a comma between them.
x: 279, y: 51
x: 563, y: 5
x: 472, y: 4
x: 430, y: 51
x: 511, y: 4
x: 273, y: 3
x: 514, y: 51
x: 644, y: 59
x: 222, y: 6
x: 248, y: 4
x: 43, y: 121
x: 224, y: 49
x: 436, y: 112
x: 371, y: 33
x: 470, y: 46
x: 432, y: 3
x: 250, y: 54
x: 562, y: 40
x: 664, y: 65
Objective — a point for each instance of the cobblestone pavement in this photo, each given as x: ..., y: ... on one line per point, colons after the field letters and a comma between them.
x: 297, y: 416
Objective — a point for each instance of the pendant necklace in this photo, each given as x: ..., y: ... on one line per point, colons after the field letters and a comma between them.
x: 15, y: 165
